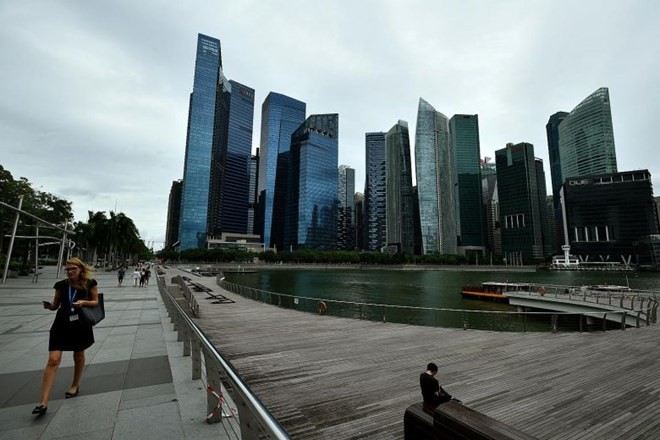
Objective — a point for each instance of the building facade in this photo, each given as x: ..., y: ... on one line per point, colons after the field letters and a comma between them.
x: 375, y: 195
x: 464, y: 139
x: 199, y: 144
x: 522, y: 203
x: 346, y: 219
x: 436, y: 177
x: 586, y: 138
x: 400, y: 229
x: 310, y: 206
x: 552, y: 133
x: 173, y: 214
x: 280, y: 117
x: 229, y: 188
x: 607, y: 213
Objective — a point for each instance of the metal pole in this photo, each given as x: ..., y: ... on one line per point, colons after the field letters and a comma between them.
x: 35, y: 278
x: 11, y: 242
x: 59, y: 259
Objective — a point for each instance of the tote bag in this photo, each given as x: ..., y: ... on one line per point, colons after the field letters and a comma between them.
x: 93, y: 315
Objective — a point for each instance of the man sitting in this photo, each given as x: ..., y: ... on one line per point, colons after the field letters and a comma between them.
x: 432, y: 392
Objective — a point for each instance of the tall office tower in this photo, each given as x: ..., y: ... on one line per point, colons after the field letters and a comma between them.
x: 436, y: 177
x: 464, y: 139
x: 400, y: 218
x: 280, y: 117
x: 254, y: 173
x: 229, y: 190
x: 360, y: 227
x: 522, y: 199
x: 310, y: 217
x: 552, y: 132
x: 199, y: 143
x: 173, y: 213
x: 346, y: 233
x: 586, y: 138
x: 490, y: 202
x: 374, y: 192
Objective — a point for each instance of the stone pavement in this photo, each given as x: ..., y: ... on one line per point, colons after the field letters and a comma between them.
x: 136, y: 383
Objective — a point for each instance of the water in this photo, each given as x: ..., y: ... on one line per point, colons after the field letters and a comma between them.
x: 427, y: 289
x: 435, y: 289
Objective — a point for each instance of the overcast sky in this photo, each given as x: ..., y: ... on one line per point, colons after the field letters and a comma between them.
x: 94, y: 95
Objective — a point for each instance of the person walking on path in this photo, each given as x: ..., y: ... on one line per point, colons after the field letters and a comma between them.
x: 120, y: 275
x: 69, y: 332
x: 135, y: 277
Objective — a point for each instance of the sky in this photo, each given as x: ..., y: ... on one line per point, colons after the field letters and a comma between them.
x: 94, y: 95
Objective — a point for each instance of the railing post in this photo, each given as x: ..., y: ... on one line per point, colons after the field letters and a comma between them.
x: 383, y: 313
x: 196, y: 360
x: 214, y: 391
x: 186, y: 340
x: 580, y: 316
x: 553, y: 320
x: 623, y: 321
x: 638, y: 316
x: 605, y: 322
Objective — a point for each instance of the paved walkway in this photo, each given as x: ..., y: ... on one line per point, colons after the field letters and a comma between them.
x: 136, y: 384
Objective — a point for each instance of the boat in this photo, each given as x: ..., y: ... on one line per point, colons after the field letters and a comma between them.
x: 565, y: 261
x: 494, y: 290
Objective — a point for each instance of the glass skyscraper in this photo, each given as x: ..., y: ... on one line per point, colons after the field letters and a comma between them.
x: 229, y: 196
x: 586, y: 138
x: 310, y: 206
x: 552, y: 133
x: 464, y: 139
x: 435, y: 181
x: 400, y: 218
x: 173, y: 213
x: 522, y: 203
x: 199, y: 142
x: 280, y: 117
x: 374, y: 191
x: 346, y: 236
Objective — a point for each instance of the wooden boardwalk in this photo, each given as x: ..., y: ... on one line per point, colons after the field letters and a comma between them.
x: 334, y: 378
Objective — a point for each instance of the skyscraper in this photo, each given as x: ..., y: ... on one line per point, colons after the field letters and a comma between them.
x: 173, y: 213
x: 435, y: 181
x: 586, y: 138
x: 400, y: 228
x: 199, y: 142
x: 522, y: 203
x: 280, y: 117
x: 464, y: 139
x: 310, y: 206
x: 346, y: 234
x: 229, y: 190
x: 552, y: 132
x: 374, y: 191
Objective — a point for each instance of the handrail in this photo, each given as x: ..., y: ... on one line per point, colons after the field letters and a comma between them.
x: 239, y: 289
x: 267, y: 421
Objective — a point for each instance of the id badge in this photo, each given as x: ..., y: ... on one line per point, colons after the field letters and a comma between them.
x: 73, y: 318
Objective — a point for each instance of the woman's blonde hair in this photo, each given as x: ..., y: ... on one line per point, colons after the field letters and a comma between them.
x: 85, y: 273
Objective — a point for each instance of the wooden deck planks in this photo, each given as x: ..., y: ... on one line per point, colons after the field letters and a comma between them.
x: 326, y: 377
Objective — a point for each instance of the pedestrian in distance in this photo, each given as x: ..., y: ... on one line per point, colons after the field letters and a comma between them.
x: 120, y: 275
x: 143, y: 276
x: 432, y: 392
x: 69, y: 332
x: 135, y: 276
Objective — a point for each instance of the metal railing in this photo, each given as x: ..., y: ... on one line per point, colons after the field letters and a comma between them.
x: 251, y: 419
x: 495, y: 320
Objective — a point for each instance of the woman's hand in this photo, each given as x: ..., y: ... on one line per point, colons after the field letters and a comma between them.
x: 80, y: 303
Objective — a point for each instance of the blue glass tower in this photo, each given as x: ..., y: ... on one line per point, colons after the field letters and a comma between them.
x: 199, y: 141
x: 311, y: 202
x: 374, y: 191
x: 229, y: 195
x: 280, y: 117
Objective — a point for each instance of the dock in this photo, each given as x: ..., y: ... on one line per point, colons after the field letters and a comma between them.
x: 335, y: 378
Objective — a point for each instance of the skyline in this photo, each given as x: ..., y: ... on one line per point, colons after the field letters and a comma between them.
x: 106, y: 93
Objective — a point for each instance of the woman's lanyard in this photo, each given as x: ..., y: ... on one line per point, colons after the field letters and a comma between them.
x: 72, y: 297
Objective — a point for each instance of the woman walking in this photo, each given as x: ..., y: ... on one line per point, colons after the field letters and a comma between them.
x: 69, y: 332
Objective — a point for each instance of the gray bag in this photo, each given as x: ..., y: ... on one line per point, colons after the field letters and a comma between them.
x: 93, y: 315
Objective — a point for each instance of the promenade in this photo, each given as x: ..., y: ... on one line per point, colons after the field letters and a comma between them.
x: 334, y: 378
x: 136, y: 384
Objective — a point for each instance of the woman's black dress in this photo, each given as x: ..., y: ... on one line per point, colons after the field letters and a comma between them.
x: 67, y: 335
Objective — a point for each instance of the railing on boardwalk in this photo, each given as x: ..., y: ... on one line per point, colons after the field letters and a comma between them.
x: 495, y: 320
x: 251, y: 420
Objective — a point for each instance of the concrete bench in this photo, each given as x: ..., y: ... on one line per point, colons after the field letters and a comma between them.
x: 453, y: 420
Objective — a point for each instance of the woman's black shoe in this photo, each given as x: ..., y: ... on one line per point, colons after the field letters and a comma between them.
x: 40, y: 410
x: 69, y: 395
